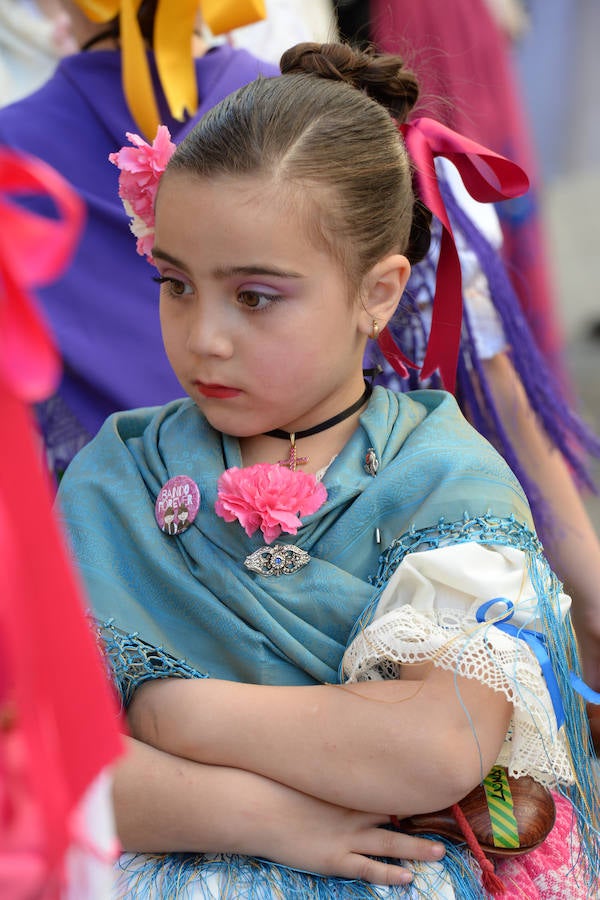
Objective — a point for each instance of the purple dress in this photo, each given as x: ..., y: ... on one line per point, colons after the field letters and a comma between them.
x: 104, y: 311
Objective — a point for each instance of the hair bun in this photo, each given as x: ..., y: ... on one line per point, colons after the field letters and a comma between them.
x: 381, y: 76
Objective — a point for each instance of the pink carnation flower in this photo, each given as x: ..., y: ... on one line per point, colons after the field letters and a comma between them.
x: 141, y: 169
x: 268, y: 497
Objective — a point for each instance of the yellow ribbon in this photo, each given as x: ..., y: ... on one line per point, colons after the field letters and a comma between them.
x: 99, y: 10
x: 173, y: 35
x: 222, y: 16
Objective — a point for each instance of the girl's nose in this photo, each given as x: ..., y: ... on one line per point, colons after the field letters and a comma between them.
x: 209, y: 334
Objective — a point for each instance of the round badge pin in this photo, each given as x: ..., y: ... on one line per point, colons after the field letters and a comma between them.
x: 177, y: 505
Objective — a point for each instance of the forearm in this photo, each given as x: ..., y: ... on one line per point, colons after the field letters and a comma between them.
x: 571, y: 543
x: 402, y: 747
x: 164, y: 803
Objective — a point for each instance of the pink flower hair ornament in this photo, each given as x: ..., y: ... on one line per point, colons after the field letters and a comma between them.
x: 268, y: 497
x: 141, y: 168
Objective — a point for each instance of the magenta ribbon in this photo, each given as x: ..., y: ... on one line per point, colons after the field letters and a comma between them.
x: 488, y: 177
x: 34, y: 249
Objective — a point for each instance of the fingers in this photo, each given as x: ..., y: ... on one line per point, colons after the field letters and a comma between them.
x: 374, y: 872
x: 373, y: 842
x: 395, y: 845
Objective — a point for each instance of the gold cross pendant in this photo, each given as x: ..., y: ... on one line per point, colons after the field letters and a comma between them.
x: 293, y: 460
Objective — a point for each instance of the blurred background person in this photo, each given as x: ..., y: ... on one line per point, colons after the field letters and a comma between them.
x: 462, y: 55
x: 34, y: 35
x: 287, y: 22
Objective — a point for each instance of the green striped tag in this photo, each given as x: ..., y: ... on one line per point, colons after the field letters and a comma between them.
x: 500, y: 806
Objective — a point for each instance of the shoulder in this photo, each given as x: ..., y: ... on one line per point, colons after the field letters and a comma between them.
x: 65, y: 116
x: 438, y: 462
x: 64, y: 81
x: 149, y: 421
x: 127, y: 441
x: 427, y: 419
x: 18, y: 120
x: 234, y: 63
x: 448, y: 434
x: 410, y: 409
x: 440, y: 408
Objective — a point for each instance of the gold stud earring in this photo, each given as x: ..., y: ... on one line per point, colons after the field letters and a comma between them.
x: 375, y: 330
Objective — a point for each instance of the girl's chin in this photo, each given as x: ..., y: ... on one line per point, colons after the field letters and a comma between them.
x: 229, y: 424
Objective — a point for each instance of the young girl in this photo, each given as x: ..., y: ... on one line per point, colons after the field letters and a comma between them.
x: 323, y: 515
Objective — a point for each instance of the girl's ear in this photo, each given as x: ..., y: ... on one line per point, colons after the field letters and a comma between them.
x: 381, y: 291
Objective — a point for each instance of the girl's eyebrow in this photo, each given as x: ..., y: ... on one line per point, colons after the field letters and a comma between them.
x: 157, y: 253
x: 229, y: 271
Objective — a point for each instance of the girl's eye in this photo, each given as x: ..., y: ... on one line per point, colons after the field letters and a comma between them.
x: 176, y: 287
x: 257, y: 299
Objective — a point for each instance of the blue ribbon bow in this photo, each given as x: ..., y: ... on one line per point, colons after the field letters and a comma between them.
x: 537, y: 642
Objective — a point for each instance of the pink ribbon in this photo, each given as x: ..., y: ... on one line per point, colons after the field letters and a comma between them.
x: 65, y: 731
x: 488, y: 177
x: 34, y: 250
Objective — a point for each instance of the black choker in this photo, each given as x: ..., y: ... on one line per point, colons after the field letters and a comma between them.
x: 293, y: 459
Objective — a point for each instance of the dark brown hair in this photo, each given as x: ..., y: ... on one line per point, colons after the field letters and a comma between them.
x: 326, y: 124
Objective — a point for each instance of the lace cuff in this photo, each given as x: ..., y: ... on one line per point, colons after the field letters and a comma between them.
x: 427, y: 612
x: 133, y: 661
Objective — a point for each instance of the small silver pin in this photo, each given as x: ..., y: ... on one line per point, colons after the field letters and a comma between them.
x: 377, y: 536
x: 371, y: 462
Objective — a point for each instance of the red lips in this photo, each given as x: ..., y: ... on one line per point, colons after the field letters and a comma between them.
x: 217, y: 390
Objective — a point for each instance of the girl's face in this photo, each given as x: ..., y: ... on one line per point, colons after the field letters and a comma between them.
x: 259, y: 326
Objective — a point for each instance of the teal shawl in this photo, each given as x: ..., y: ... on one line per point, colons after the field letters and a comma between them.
x: 191, y: 595
x: 186, y: 606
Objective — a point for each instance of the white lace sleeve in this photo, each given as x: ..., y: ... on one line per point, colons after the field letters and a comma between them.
x: 427, y: 612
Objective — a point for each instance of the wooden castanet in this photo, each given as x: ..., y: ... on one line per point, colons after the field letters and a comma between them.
x: 533, y: 809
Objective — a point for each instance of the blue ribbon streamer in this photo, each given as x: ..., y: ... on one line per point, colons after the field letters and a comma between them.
x: 538, y: 644
x: 536, y: 641
x: 583, y: 689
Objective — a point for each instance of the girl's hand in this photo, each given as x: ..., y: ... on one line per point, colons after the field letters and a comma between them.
x: 305, y: 833
x: 217, y: 809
